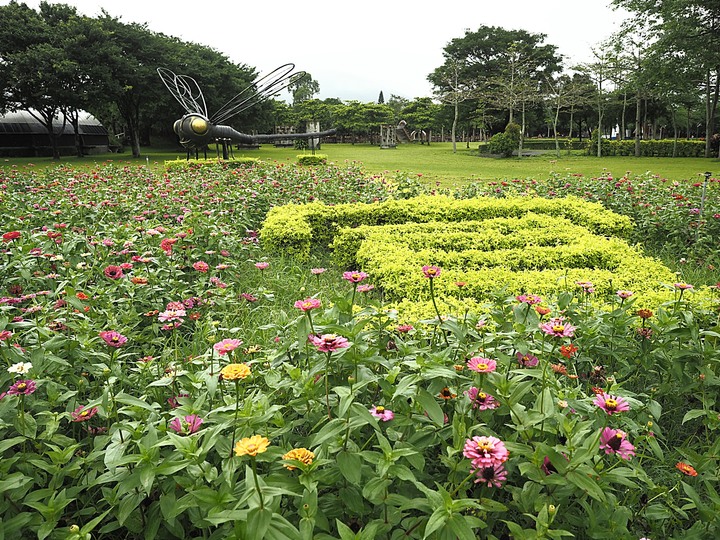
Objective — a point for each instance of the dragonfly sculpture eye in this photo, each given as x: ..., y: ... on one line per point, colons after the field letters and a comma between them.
x: 197, y: 129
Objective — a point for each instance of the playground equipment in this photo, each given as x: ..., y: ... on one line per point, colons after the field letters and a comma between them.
x: 404, y: 136
x: 197, y: 129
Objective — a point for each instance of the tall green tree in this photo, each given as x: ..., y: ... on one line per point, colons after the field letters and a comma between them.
x: 689, y: 29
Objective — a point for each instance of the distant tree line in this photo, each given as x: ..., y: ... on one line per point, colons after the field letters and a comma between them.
x: 658, y: 77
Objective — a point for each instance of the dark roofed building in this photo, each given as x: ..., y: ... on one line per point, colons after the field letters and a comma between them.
x: 22, y: 135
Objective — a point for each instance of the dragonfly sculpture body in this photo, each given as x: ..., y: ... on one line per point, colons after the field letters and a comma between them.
x: 197, y: 129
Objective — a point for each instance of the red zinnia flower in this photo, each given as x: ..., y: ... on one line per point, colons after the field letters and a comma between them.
x: 568, y: 350
x: 10, y: 236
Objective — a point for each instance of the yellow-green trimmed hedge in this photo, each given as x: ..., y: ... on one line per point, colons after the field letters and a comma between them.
x: 297, y: 229
x: 312, y: 159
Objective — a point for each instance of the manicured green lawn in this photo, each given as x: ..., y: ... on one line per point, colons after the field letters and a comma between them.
x: 437, y: 162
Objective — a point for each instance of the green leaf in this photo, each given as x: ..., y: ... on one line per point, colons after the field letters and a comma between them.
x: 459, y: 526
x: 350, y: 466
x: 258, y: 521
x: 587, y: 484
x: 344, y: 531
x: 431, y: 406
x: 436, y: 521
x: 127, y: 399
x: 694, y: 413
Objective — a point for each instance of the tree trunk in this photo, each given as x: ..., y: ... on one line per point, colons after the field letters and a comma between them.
x: 572, y: 112
x: 555, y: 123
x: 638, y: 110
x: 522, y: 131
x: 454, y: 125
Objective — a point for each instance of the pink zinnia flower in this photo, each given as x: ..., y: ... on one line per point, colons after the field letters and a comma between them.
x: 365, y: 288
x: 530, y: 299
x: 611, y: 404
x: 249, y: 297
x: 683, y: 286
x: 614, y: 441
x: 624, y: 294
x: 481, y: 400
x: 482, y: 365
x: 405, y: 328
x: 317, y: 271
x: 201, y: 266
x: 5, y: 335
x: 431, y: 271
x: 382, y: 413
x: 493, y: 476
x: 354, y: 276
x: 172, y: 315
x: 558, y: 327
x: 527, y: 360
x: 485, y: 451
x: 82, y: 413
x: 308, y: 304
x: 262, y: 265
x: 113, y: 272
x: 328, y: 342
x: 113, y: 338
x: 187, y: 425
x: 227, y: 345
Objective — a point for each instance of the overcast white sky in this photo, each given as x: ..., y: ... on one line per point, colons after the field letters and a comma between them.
x: 355, y: 50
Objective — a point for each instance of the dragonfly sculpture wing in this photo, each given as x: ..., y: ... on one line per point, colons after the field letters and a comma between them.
x: 263, y: 88
x: 185, y: 90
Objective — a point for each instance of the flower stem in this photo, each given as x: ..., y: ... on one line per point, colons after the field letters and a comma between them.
x: 327, y: 384
x: 257, y: 484
x: 234, y: 426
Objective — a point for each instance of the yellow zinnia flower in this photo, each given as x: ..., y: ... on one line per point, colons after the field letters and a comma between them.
x: 233, y: 372
x: 251, y: 446
x: 299, y: 454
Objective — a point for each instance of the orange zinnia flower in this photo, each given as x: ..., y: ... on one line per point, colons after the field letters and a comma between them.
x: 686, y: 469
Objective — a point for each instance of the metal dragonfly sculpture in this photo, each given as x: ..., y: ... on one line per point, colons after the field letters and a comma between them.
x: 197, y: 129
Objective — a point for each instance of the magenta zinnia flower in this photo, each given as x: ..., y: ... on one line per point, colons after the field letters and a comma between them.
x: 527, y: 360
x: 113, y: 272
x: 354, y: 276
x: 82, y: 413
x: 382, y: 413
x: 308, y: 304
x: 113, y: 338
x: 481, y: 400
x: 485, y: 451
x: 23, y: 387
x: 482, y: 365
x: 493, y: 476
x: 328, y: 342
x: 614, y: 441
x: 187, y: 425
x: 558, y: 327
x: 431, y: 271
x: 611, y: 404
x: 227, y: 345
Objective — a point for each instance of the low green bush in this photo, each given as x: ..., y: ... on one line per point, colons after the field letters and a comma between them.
x: 180, y: 165
x: 649, y: 148
x: 312, y: 159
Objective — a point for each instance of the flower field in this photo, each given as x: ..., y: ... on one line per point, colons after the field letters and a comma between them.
x: 167, y: 376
